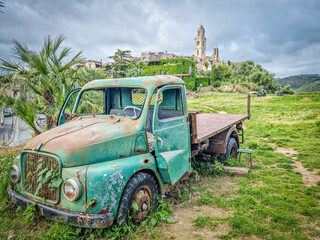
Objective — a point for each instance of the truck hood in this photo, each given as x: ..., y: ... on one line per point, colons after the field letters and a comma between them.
x: 87, y: 140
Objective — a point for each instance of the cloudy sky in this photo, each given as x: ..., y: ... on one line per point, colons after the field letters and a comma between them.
x: 281, y: 35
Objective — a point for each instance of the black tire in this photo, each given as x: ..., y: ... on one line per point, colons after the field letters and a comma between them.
x: 142, y: 183
x: 231, y: 150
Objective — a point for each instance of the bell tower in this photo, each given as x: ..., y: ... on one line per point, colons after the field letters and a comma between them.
x: 200, y: 43
x: 215, y: 55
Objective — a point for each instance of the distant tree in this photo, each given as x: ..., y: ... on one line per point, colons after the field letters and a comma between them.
x: 285, y: 90
x: 220, y: 73
x: 206, y: 64
x: 249, y: 71
x: 122, y: 67
x: 121, y: 55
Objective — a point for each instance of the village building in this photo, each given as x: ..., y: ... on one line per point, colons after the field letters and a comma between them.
x: 148, y: 56
x: 93, y: 64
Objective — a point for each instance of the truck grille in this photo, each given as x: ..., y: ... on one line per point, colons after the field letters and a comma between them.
x: 30, y: 173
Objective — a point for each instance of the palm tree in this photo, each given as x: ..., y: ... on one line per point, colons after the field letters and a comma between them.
x: 44, y: 71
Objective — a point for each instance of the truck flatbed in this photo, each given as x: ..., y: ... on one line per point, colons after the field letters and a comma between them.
x: 206, y: 125
x: 210, y: 124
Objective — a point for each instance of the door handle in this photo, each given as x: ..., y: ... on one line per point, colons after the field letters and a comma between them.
x: 161, y: 141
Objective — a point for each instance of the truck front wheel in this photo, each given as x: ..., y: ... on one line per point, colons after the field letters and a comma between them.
x: 139, y: 197
x: 231, y: 150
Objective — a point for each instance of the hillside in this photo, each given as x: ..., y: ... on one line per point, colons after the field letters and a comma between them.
x: 309, y: 87
x: 299, y: 80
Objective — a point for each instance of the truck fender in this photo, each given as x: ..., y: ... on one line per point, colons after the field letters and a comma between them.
x: 218, y: 143
x: 106, y: 181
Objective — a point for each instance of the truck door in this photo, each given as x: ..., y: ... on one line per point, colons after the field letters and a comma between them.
x: 171, y: 130
x: 67, y: 106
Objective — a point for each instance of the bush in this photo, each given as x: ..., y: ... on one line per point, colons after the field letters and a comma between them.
x: 216, y: 84
x: 204, y: 81
x: 5, y: 182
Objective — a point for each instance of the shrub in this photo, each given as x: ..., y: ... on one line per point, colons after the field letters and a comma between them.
x: 216, y: 84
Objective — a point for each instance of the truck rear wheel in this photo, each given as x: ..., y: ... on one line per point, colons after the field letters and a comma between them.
x: 138, y: 199
x: 231, y: 150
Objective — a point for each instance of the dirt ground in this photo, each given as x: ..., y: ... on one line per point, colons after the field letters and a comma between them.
x: 309, y: 178
x: 185, y: 215
x: 185, y: 229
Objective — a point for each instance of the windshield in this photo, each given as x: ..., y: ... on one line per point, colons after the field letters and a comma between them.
x: 119, y: 101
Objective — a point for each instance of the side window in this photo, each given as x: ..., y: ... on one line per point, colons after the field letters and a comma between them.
x: 138, y: 96
x: 91, y: 102
x: 172, y: 104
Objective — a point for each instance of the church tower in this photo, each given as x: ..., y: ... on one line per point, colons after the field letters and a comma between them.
x: 200, y: 43
x: 215, y: 55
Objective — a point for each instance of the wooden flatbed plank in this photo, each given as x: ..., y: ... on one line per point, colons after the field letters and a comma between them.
x: 210, y: 124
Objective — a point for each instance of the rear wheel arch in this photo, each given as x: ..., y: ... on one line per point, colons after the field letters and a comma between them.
x: 234, y: 135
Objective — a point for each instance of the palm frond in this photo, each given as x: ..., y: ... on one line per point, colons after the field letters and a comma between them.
x: 57, y: 42
x: 65, y: 52
x: 76, y: 59
x: 26, y: 112
x: 9, y: 65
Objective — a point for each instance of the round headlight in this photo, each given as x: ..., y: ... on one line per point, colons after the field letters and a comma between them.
x: 71, y: 190
x: 15, y: 174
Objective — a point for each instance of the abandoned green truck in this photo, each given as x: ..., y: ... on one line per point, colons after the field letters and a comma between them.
x: 118, y: 144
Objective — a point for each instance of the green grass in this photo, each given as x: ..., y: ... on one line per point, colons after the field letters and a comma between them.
x: 205, y: 221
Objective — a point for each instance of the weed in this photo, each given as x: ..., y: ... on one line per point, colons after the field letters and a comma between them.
x: 205, y: 221
x: 196, y: 175
x: 206, y: 198
x: 218, y: 167
x: 232, y: 162
x: 5, y: 182
x: 29, y: 214
x: 183, y: 195
x: 285, y: 166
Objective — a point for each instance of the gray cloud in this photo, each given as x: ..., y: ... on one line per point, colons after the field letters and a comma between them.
x: 283, y: 35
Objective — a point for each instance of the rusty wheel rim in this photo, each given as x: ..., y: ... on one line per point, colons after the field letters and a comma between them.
x: 142, y: 199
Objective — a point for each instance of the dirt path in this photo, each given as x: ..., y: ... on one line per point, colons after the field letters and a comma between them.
x: 309, y: 178
x: 286, y: 151
x: 185, y: 228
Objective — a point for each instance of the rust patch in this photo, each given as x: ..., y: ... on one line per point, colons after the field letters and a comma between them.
x: 84, y: 186
x: 83, y: 220
x: 138, y: 151
x: 104, y: 211
x: 122, y: 156
x: 114, y: 165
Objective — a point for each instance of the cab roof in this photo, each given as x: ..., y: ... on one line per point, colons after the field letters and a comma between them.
x: 144, y: 82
